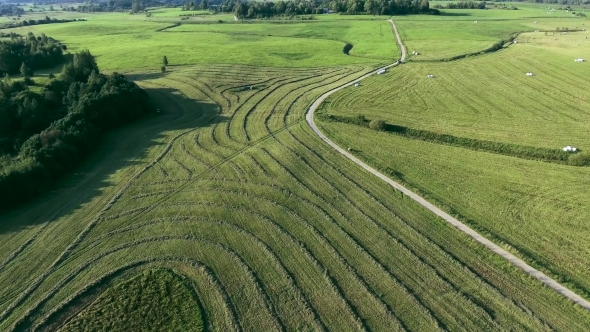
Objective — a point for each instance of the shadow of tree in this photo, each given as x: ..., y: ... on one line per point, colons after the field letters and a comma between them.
x: 122, y: 152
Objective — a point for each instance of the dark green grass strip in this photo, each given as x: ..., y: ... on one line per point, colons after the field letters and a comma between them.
x: 556, y: 156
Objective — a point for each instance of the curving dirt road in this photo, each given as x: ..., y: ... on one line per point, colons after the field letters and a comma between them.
x: 549, y: 282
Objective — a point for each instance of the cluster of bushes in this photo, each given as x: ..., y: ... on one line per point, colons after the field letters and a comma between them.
x: 504, y: 6
x: 262, y: 9
x: 44, y: 135
x: 462, y: 5
x: 191, y: 5
x: 579, y: 159
x: 514, y: 150
x: 36, y: 52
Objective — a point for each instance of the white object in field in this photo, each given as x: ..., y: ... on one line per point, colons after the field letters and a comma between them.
x: 474, y: 21
x: 579, y: 60
x: 382, y: 71
x: 536, y: 30
x: 356, y: 84
x: 417, y: 53
x: 568, y: 149
x: 235, y: 18
x: 515, y: 42
x: 535, y: 21
x: 573, y: 149
x: 529, y: 74
x: 430, y: 76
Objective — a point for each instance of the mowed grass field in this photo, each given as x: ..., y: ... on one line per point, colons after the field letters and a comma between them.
x: 231, y: 213
x: 276, y: 231
x: 538, y: 210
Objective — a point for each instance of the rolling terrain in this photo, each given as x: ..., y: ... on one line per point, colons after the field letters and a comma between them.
x: 229, y: 203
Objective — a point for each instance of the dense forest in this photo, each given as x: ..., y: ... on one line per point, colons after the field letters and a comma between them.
x: 44, y: 135
x: 262, y: 9
x: 36, y: 52
x: 10, y: 9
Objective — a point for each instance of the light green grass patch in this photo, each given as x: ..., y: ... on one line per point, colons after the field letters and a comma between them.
x: 139, y: 47
x: 371, y: 39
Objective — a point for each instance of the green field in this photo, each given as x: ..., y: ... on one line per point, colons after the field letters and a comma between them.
x: 538, y: 210
x: 231, y: 215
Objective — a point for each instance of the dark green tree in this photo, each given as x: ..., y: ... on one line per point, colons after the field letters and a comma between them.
x: 165, y: 61
x: 25, y: 70
x: 163, y: 69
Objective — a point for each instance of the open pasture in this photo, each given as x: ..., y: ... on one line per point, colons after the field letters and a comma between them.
x: 371, y: 39
x: 121, y: 46
x: 441, y: 40
x: 275, y: 231
x: 489, y: 96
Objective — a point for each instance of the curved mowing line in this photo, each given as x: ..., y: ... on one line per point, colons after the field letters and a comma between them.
x: 240, y: 263
x: 321, y: 79
x: 405, y: 289
x: 277, y: 85
x: 208, y: 273
x: 233, y: 226
x: 304, y: 248
x: 519, y: 263
x: 423, y: 236
x: 402, y: 246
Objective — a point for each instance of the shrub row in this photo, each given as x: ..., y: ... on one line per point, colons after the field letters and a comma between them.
x: 47, y: 20
x: 513, y: 150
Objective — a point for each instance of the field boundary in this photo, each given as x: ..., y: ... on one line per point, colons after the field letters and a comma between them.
x: 527, y: 152
x: 519, y: 263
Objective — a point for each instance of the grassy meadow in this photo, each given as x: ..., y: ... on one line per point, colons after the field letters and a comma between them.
x: 536, y: 209
x: 131, y: 46
x: 226, y: 213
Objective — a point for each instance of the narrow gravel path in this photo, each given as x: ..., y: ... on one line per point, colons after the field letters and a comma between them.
x: 456, y: 223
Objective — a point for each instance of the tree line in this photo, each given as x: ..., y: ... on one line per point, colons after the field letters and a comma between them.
x: 462, y: 5
x: 36, y: 52
x: 258, y: 9
x: 43, y: 135
x: 10, y: 9
x: 46, y: 20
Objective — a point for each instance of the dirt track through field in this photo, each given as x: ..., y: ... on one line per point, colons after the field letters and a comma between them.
x: 549, y: 282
